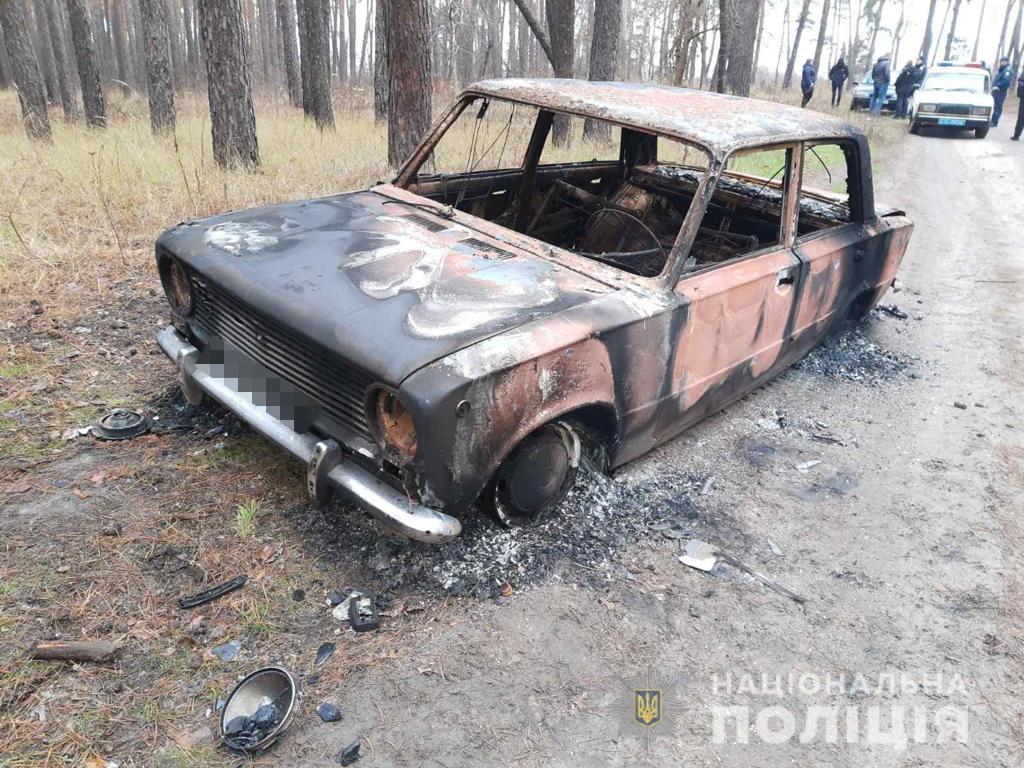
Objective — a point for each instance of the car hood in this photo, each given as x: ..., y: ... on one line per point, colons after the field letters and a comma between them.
x: 387, y: 286
x: 936, y: 96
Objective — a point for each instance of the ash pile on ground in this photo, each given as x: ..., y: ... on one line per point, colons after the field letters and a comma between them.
x: 600, y: 517
x: 854, y: 356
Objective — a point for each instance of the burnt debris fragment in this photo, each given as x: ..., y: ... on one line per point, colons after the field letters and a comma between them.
x: 211, y: 594
x: 329, y: 713
x: 362, y: 613
x: 349, y: 754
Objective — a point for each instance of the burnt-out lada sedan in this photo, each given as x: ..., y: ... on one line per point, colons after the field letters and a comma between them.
x: 564, y: 271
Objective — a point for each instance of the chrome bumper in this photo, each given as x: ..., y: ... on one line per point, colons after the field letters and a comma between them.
x: 326, y: 466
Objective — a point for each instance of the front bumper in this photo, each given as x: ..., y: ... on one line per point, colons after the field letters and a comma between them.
x: 970, y: 121
x: 326, y: 465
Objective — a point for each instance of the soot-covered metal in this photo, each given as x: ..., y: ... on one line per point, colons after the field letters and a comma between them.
x: 438, y: 343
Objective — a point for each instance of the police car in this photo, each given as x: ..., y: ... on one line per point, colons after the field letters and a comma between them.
x: 953, y: 97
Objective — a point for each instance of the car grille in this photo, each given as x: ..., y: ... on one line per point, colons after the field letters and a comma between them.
x: 953, y: 109
x: 338, y: 389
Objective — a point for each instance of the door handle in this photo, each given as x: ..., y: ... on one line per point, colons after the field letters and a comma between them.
x: 786, y: 277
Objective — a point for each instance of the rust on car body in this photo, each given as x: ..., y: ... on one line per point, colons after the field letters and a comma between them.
x: 486, y: 330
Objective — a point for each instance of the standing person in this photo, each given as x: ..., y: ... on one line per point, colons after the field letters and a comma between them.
x: 838, y: 75
x: 920, y: 70
x: 807, y: 80
x: 904, y: 87
x: 1000, y: 87
x: 881, y: 74
x: 1019, y: 127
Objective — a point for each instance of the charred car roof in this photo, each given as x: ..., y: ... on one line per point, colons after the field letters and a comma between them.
x: 715, y: 121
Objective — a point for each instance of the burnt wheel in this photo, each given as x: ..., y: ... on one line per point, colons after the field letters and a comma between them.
x: 536, y: 476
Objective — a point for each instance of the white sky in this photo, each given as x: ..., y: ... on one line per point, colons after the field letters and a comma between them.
x: 916, y: 14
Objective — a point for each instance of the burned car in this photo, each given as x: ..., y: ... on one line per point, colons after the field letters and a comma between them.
x: 525, y: 296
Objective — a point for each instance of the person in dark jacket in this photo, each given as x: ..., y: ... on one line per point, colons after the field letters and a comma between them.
x: 837, y: 75
x: 807, y: 80
x: 1019, y: 127
x: 881, y: 74
x: 905, y: 85
x: 1000, y: 87
x: 920, y: 70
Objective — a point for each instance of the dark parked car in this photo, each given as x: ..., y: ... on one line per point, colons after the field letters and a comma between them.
x: 504, y: 310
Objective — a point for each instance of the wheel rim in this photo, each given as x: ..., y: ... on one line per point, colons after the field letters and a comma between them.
x: 537, y: 475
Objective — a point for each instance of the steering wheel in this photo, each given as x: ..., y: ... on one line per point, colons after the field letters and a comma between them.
x: 620, y: 212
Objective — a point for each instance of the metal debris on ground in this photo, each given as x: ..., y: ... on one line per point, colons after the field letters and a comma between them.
x: 362, y: 613
x: 121, y: 424
x: 349, y: 754
x: 329, y: 713
x: 892, y: 311
x: 324, y: 652
x: 211, y: 594
x: 74, y: 650
x: 341, y: 608
x: 703, y: 556
x: 258, y: 710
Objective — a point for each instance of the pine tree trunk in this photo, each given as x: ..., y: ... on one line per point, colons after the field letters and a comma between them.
x: 159, y: 78
x: 801, y: 22
x: 926, y: 43
x: 119, y: 36
x: 68, y: 94
x: 88, y: 64
x: 561, y: 15
x: 380, y: 62
x: 44, y: 53
x: 232, y: 120
x: 822, y: 32
x: 604, y: 57
x: 286, y: 25
x: 5, y: 63
x: 409, y: 87
x: 25, y: 66
x: 351, y: 26
x: 316, y: 45
x: 951, y: 37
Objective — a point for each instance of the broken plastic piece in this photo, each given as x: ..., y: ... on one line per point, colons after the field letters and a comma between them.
x: 211, y: 594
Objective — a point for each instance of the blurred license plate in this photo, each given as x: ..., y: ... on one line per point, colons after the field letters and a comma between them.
x: 952, y: 121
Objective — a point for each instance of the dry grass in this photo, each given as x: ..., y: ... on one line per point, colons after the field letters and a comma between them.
x: 79, y: 306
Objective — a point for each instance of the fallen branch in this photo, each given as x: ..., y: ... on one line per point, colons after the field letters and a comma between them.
x: 74, y: 650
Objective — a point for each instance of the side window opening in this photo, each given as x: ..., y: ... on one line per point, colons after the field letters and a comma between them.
x: 610, y: 198
x: 744, y: 214
x: 825, y: 189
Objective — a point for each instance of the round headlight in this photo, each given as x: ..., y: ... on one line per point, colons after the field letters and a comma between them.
x: 395, y: 424
x: 176, y: 286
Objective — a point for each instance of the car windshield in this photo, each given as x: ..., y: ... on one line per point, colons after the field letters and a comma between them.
x: 957, y: 81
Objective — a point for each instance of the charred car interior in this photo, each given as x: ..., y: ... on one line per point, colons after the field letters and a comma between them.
x: 626, y: 211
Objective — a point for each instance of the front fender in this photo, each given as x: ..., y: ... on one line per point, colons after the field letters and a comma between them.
x: 461, y: 446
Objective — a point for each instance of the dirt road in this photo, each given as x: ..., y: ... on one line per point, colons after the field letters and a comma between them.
x: 904, y: 538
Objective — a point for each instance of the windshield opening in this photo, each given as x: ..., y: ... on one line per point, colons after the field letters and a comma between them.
x: 610, y: 193
x: 957, y: 81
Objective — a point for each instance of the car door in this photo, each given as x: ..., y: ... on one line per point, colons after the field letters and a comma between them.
x: 738, y: 316
x: 846, y: 265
